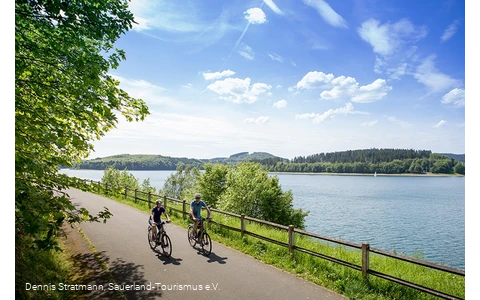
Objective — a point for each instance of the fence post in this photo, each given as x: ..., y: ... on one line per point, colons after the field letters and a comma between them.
x: 149, y: 199
x: 242, y: 224
x: 208, y: 223
x: 135, y: 196
x: 365, y: 259
x: 106, y: 188
x: 291, y: 241
x: 165, y: 202
x: 126, y: 192
x: 184, y: 209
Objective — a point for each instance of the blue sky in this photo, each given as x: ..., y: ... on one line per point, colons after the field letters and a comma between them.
x: 292, y: 78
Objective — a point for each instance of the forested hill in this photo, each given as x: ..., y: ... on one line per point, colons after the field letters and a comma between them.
x: 386, y: 161
x: 373, y: 156
x: 159, y: 162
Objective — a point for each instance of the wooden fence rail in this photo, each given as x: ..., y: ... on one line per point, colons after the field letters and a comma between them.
x: 291, y: 231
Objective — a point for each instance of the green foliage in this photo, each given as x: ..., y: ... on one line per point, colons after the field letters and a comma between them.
x: 181, y: 185
x: 42, y: 268
x: 112, y: 176
x: 137, y: 162
x: 250, y: 191
x: 147, y: 187
x: 244, y: 188
x: 119, y: 179
x: 442, y: 166
x: 212, y: 183
x: 459, y: 168
x: 64, y: 99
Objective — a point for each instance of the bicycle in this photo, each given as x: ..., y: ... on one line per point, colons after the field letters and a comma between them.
x: 161, y: 238
x: 201, y: 237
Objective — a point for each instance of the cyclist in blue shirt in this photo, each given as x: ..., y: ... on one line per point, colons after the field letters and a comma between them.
x: 195, y: 210
x: 156, y: 217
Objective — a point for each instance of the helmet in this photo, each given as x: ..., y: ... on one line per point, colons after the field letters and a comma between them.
x: 197, y: 195
x: 158, y: 201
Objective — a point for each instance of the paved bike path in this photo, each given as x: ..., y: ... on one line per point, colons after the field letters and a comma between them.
x: 225, y: 274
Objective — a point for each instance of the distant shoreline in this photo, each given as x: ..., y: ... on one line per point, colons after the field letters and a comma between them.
x: 372, y: 175
x: 326, y: 173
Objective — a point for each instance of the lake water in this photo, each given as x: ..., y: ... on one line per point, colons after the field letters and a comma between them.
x: 411, y: 215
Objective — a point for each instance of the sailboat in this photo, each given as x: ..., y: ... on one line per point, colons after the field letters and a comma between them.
x: 375, y: 174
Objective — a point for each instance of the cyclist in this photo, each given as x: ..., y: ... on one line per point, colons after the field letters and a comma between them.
x: 155, y: 216
x: 195, y: 210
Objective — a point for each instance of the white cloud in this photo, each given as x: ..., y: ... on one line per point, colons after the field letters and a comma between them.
x: 329, y: 114
x: 343, y: 88
x: 371, y: 92
x: 450, y: 31
x: 273, y: 7
x: 147, y: 91
x: 397, y: 72
x: 173, y: 18
x: 173, y: 21
x: 247, y: 52
x: 327, y: 13
x: 275, y: 56
x: 218, y: 75
x: 255, y: 15
x: 259, y: 120
x: 280, y: 104
x: 455, y: 97
x: 436, y: 82
x: 440, y: 124
x: 314, y: 80
x: 389, y: 38
x: 394, y: 44
x: 239, y: 90
x: 369, y: 124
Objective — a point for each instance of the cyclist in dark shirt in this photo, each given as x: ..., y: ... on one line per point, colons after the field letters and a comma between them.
x: 156, y: 217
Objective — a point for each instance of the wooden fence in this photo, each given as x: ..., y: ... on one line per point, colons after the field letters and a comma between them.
x: 365, y: 248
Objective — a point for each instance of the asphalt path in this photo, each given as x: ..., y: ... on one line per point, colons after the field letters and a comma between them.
x: 138, y: 272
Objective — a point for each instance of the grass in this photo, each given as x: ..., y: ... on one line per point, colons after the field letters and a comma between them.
x: 46, y: 274
x: 43, y: 268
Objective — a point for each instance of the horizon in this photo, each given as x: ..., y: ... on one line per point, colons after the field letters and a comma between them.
x: 248, y: 153
x: 292, y: 77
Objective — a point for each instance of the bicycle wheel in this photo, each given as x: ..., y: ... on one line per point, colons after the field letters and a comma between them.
x: 206, y: 244
x: 191, y: 236
x: 166, y: 245
x: 151, y: 241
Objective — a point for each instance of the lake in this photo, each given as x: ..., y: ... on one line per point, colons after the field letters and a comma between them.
x: 406, y: 214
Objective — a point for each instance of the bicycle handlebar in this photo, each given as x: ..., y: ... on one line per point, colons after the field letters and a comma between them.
x: 163, y: 222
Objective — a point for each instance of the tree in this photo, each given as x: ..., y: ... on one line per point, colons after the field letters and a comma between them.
x: 146, y: 186
x: 212, y: 183
x: 459, y: 168
x: 65, y: 99
x: 251, y: 191
x: 442, y: 166
x: 181, y: 183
